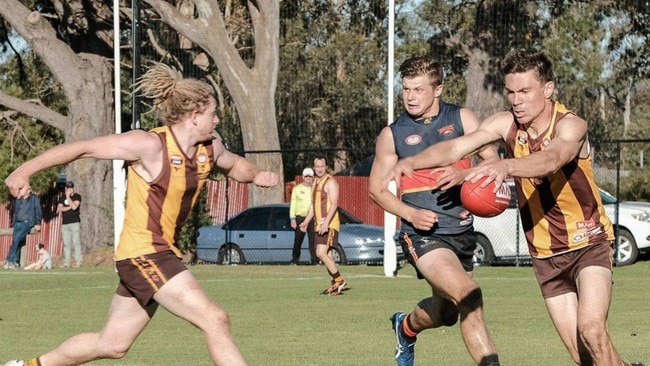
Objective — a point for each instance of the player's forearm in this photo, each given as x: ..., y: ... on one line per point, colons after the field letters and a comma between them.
x: 535, y: 165
x: 244, y: 171
x: 438, y: 155
x: 55, y: 156
x: 389, y: 202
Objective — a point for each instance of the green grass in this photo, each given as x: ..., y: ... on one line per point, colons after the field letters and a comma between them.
x: 279, y: 318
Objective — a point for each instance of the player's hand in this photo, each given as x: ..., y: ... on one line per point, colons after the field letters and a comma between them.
x: 266, y: 179
x: 422, y: 219
x: 303, y: 226
x: 496, y: 172
x: 293, y: 224
x: 448, y: 177
x: 403, y: 167
x: 18, y: 184
x: 323, y: 227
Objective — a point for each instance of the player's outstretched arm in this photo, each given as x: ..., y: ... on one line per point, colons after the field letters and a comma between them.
x: 242, y: 170
x: 130, y: 146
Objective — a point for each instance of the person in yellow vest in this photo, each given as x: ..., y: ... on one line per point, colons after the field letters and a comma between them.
x: 570, y: 237
x: 168, y: 167
x: 324, y: 211
x: 298, y: 210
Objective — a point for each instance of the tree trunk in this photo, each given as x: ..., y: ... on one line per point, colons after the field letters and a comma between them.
x: 482, y: 96
x: 260, y: 133
x: 86, y: 80
x: 252, y: 89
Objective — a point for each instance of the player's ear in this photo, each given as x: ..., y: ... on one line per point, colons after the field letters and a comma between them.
x: 549, y: 88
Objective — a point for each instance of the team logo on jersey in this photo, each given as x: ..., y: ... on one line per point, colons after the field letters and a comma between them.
x: 585, y: 225
x: 446, y: 130
x: 202, y: 158
x: 503, y: 193
x: 522, y: 137
x: 413, y: 140
x: 176, y: 160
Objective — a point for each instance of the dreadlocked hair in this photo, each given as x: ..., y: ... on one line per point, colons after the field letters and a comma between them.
x: 173, y: 95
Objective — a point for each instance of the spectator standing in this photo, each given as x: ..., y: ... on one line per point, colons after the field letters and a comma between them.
x: 298, y: 210
x: 324, y: 211
x: 68, y: 208
x: 27, y: 215
x: 44, y: 260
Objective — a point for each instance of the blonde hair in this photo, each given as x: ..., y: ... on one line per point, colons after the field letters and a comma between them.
x: 173, y: 95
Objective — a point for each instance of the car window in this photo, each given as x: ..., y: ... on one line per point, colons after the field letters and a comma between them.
x: 280, y: 219
x: 253, y: 219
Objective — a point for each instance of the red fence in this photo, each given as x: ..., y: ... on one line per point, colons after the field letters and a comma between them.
x: 353, y: 197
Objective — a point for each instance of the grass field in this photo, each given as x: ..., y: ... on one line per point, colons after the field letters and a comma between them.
x: 279, y: 318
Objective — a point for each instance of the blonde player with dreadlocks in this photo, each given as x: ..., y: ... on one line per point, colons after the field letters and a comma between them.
x: 168, y: 166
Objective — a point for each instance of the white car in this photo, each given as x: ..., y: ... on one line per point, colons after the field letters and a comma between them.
x: 501, y: 239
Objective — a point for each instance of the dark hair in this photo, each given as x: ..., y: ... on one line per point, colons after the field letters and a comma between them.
x: 321, y: 157
x: 519, y: 61
x: 40, y: 246
x: 420, y: 66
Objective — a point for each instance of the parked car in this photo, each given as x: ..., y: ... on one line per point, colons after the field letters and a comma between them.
x: 263, y: 234
x: 501, y: 239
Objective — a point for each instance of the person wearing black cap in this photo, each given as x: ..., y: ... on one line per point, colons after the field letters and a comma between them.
x: 68, y: 208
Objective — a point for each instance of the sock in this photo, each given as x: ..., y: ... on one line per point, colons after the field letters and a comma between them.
x: 491, y: 360
x: 33, y: 362
x: 336, y: 277
x: 407, y: 328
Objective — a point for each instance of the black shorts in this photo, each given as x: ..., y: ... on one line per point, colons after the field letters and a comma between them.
x: 463, y: 245
x: 143, y: 276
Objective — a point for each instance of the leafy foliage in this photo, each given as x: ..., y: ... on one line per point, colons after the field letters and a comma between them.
x: 331, y: 88
x: 22, y: 138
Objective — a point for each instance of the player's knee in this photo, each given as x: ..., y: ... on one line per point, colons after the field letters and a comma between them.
x: 472, y: 301
x: 113, y: 351
x: 592, y: 333
x: 218, y: 319
x: 449, y: 316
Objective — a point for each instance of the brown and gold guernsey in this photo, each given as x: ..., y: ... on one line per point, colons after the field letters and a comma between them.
x: 322, y: 204
x: 155, y: 211
x: 562, y: 211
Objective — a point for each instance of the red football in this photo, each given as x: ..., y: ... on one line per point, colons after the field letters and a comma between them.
x: 483, y: 201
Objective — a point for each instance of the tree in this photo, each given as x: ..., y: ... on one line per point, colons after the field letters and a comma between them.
x: 85, y: 81
x: 252, y: 87
x: 332, y: 83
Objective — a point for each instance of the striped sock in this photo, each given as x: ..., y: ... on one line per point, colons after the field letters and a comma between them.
x: 33, y: 362
x: 407, y: 328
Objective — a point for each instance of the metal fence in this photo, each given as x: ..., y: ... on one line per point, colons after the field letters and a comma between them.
x: 619, y: 168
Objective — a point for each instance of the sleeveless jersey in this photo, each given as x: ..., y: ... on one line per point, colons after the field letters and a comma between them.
x: 155, y: 211
x: 562, y: 211
x: 410, y: 138
x: 322, y: 204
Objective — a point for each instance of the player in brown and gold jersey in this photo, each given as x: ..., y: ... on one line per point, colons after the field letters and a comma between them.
x: 168, y: 166
x: 569, y: 236
x: 324, y: 211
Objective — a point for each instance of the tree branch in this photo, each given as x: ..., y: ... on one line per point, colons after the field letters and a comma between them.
x: 36, y: 110
x: 58, y: 56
